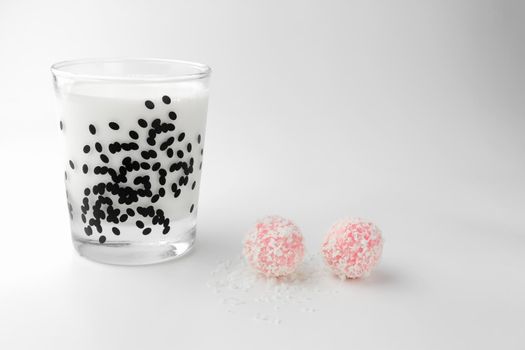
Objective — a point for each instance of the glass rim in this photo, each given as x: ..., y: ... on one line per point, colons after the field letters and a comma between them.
x: 202, y: 70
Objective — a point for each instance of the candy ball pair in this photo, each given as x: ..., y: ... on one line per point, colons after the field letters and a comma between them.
x: 351, y: 248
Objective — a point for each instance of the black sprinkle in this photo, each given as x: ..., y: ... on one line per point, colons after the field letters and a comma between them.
x: 146, y: 231
x: 87, y: 149
x: 181, y: 136
x: 133, y: 135
x: 114, y: 126
x: 155, y: 166
x: 149, y: 104
x: 167, y: 143
x: 104, y: 158
x: 61, y: 125
x: 130, y: 212
x: 199, y: 138
x: 191, y: 209
x: 172, y: 115
x: 123, y: 218
x: 115, y: 147
x: 87, y: 191
x: 139, y: 224
x: 169, y: 152
x: 92, y: 129
x: 188, y: 147
x: 85, y: 169
x: 143, y: 123
x: 116, y: 231
x: 180, y: 154
x: 98, y: 147
x: 102, y: 239
x: 88, y: 230
x: 193, y: 185
x: 166, y: 99
x: 71, y: 165
x: 166, y: 230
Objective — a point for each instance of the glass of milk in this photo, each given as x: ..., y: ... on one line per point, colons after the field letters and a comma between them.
x: 134, y: 132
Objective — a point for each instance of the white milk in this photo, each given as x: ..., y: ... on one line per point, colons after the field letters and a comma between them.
x: 98, y: 104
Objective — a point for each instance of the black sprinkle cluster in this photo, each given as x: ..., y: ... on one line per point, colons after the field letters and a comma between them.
x: 125, y: 183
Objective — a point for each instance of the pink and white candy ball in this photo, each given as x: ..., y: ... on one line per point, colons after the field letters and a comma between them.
x: 352, y: 247
x: 274, y: 246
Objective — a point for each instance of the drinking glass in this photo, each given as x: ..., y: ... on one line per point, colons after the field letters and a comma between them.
x: 134, y: 132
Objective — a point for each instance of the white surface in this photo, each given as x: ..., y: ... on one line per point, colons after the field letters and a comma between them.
x: 410, y: 114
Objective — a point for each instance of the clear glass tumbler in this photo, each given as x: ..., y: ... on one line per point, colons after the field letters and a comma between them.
x: 134, y: 136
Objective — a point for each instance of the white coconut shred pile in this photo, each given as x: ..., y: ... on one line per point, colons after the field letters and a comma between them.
x: 247, y: 294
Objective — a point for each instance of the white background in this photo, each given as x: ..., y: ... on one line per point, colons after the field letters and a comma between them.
x: 409, y: 113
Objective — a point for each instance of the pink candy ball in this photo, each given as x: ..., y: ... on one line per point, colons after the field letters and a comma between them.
x: 274, y: 247
x: 352, y: 247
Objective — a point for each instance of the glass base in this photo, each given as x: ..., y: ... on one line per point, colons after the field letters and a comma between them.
x: 135, y: 253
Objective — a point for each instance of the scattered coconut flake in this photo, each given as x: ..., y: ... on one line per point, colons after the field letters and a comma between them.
x: 248, y: 294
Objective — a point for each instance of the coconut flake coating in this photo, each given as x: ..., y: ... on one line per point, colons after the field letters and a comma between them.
x: 274, y: 246
x: 352, y: 247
